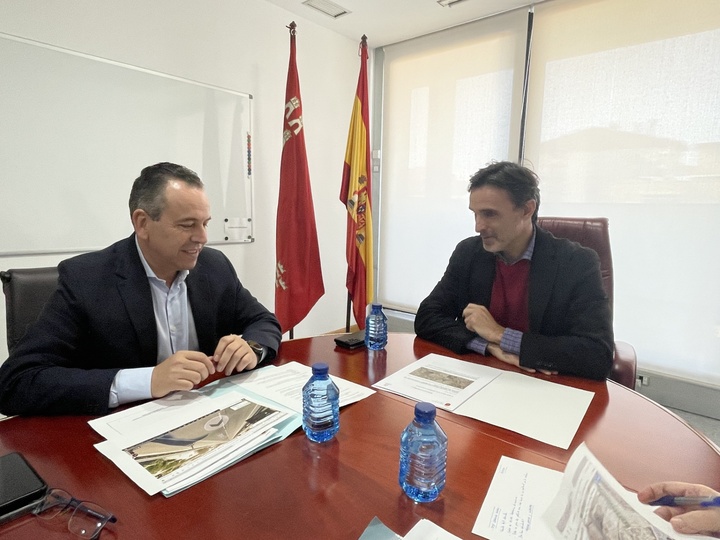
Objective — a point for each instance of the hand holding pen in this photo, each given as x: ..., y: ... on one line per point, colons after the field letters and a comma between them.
x: 690, y: 508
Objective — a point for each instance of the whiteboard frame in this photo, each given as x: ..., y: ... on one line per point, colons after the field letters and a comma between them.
x: 220, y: 215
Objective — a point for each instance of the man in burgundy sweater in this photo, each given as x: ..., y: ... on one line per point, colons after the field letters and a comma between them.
x: 515, y: 291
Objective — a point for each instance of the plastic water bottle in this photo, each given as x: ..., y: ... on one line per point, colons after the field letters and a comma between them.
x: 321, y: 405
x: 376, y: 329
x: 423, y: 456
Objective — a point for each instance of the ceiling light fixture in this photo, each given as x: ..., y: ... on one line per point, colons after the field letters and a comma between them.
x: 327, y: 7
x: 448, y: 3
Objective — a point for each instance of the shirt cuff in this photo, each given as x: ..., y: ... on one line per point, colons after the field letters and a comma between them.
x: 478, y: 345
x: 510, y: 341
x: 131, y: 385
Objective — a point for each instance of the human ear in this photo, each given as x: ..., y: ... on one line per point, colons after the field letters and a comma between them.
x: 140, y: 220
x: 529, y: 208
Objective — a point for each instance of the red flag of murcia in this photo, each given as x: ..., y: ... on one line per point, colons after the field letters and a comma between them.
x: 298, y: 275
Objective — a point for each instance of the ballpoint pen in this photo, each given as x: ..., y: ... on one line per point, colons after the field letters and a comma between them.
x: 670, y: 500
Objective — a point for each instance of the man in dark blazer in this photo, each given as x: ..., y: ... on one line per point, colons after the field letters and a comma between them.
x: 515, y: 291
x: 151, y: 314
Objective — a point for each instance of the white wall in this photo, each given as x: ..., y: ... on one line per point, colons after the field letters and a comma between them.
x: 241, y: 45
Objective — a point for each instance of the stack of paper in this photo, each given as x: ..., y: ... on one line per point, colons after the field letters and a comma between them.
x: 174, y: 442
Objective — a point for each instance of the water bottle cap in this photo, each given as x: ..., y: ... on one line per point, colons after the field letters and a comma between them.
x: 424, y: 412
x: 379, y: 306
x: 320, y: 368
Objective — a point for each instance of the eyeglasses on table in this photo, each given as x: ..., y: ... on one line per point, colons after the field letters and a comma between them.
x: 87, y: 518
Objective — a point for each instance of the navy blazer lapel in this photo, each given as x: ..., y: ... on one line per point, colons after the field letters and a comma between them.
x: 198, y: 285
x: 482, y: 275
x: 134, y: 289
x: 543, y: 272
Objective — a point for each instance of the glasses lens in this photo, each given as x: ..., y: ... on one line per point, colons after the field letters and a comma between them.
x: 55, y: 501
x: 88, y: 519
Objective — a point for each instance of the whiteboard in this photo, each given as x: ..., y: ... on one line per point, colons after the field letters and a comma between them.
x: 76, y: 130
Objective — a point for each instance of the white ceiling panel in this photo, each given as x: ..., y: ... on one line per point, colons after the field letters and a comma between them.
x: 390, y: 21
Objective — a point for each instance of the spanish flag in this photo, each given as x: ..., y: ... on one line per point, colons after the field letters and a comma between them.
x: 298, y: 275
x: 356, y: 195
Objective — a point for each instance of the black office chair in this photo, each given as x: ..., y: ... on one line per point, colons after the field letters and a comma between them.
x: 594, y: 233
x: 27, y: 290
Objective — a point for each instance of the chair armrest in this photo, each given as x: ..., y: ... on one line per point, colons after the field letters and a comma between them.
x: 624, y: 367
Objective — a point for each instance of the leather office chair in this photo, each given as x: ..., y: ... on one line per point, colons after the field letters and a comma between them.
x: 27, y: 290
x: 593, y: 233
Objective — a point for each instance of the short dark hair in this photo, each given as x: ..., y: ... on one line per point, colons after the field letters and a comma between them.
x: 148, y: 190
x: 520, y: 182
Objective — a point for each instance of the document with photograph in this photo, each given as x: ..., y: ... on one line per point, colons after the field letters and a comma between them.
x: 543, y: 410
x: 171, y: 443
x: 182, y: 455
x: 280, y: 385
x: 586, y: 502
x: 591, y: 504
x: 443, y: 381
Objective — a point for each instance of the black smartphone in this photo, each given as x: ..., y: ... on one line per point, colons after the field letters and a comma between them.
x: 21, y: 487
x: 351, y: 341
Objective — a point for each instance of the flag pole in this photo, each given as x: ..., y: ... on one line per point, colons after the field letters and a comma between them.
x: 356, y: 195
x: 347, y: 313
x: 291, y: 27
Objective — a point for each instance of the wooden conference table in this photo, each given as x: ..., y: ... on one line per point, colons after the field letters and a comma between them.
x: 297, y: 489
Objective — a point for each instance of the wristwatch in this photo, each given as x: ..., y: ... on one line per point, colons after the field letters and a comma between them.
x: 257, y: 348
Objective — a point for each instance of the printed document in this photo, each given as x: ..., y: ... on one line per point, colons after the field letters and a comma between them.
x: 423, y: 530
x: 281, y: 385
x: 284, y: 385
x: 171, y: 443
x: 584, y: 503
x: 443, y: 381
x: 543, y: 410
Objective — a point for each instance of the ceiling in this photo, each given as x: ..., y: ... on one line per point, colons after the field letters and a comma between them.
x: 391, y: 21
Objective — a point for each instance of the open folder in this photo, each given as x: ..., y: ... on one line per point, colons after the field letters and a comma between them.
x: 545, y: 411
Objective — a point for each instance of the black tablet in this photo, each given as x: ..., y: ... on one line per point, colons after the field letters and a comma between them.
x: 21, y: 488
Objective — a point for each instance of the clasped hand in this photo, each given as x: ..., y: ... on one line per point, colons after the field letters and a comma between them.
x: 186, y: 369
x: 478, y: 319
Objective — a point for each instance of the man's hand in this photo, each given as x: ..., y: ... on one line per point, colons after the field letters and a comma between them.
x: 508, y: 358
x: 233, y: 353
x: 513, y: 359
x: 477, y: 318
x: 690, y: 519
x: 181, y: 371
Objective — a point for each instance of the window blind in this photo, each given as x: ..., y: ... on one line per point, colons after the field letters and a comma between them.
x: 624, y: 122
x: 451, y: 103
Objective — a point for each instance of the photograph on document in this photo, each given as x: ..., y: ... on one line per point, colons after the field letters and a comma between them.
x: 592, y: 505
x: 442, y: 377
x: 594, y: 511
x: 181, y: 447
x: 445, y: 382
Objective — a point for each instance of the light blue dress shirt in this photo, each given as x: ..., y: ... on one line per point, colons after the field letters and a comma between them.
x: 175, y: 332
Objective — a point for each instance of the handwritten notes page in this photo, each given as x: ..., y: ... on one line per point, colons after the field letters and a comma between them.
x: 519, y: 494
